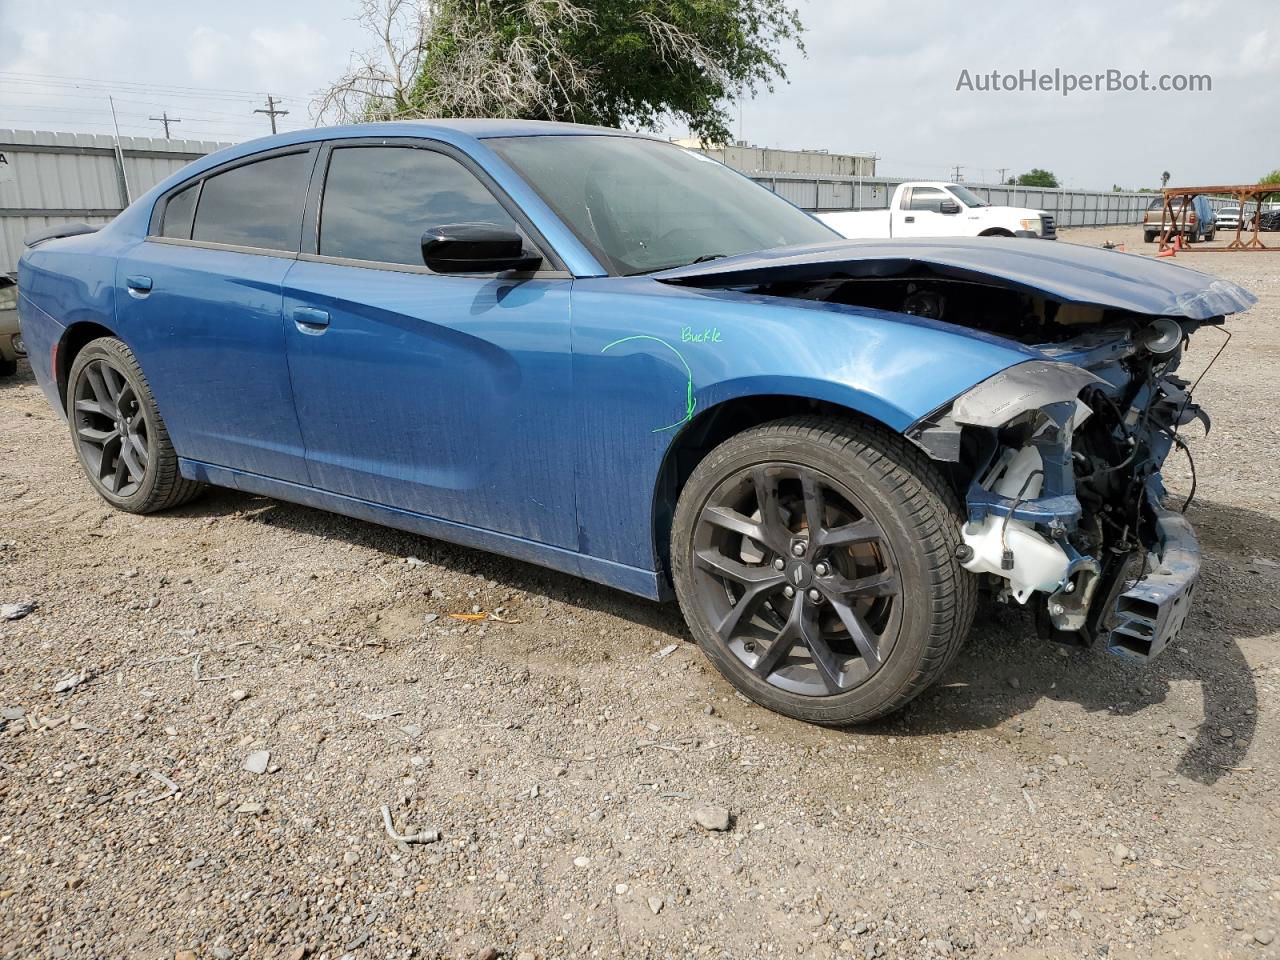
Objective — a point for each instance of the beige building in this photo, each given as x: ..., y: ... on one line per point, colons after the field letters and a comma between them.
x: 815, y: 163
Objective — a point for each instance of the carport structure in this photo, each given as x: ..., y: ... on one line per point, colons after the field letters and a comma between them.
x: 1182, y: 198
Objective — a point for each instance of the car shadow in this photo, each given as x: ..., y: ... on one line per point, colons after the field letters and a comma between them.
x: 1003, y: 672
x: 515, y: 575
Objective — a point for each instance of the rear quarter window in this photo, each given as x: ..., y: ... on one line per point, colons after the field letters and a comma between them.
x: 179, y: 212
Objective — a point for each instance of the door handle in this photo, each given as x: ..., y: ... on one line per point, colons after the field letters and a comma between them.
x: 138, y: 284
x: 311, y: 318
x: 909, y: 219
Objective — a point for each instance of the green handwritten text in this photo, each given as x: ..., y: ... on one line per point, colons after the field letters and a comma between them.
x: 706, y: 335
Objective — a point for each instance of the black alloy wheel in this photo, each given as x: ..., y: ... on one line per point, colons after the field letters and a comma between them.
x: 119, y: 436
x: 796, y: 578
x: 111, y: 427
x: 815, y: 562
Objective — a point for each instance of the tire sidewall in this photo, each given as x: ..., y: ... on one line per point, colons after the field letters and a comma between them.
x: 121, y: 357
x: 888, y: 508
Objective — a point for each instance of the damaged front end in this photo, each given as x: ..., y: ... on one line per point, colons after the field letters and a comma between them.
x: 1061, y: 459
x: 1058, y: 458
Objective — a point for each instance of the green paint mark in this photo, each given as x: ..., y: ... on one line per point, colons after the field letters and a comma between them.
x: 688, y: 401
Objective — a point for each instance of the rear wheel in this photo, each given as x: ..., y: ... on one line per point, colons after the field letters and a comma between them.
x: 1149, y: 237
x: 814, y: 560
x: 118, y: 433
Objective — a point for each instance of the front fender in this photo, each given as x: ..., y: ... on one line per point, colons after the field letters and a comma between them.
x: 649, y: 357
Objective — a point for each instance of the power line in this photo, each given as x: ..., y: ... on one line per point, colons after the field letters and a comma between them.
x: 271, y: 111
x: 99, y: 82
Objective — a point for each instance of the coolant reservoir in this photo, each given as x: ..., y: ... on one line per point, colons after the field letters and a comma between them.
x: 1038, y: 563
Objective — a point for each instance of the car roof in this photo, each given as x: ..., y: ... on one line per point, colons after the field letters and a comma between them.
x: 474, y: 127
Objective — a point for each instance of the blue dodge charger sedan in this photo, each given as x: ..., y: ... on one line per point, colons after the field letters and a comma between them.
x: 600, y: 352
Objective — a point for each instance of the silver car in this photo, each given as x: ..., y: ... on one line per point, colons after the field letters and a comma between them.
x: 1228, y: 218
x: 10, y: 338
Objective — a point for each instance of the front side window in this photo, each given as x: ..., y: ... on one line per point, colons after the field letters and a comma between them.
x: 258, y: 204
x: 378, y: 202
x: 926, y: 198
x: 642, y: 205
x: 179, y: 212
x: 966, y: 196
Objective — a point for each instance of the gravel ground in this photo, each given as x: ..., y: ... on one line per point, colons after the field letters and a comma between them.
x: 208, y: 709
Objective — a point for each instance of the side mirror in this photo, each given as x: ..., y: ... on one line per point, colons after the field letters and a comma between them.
x: 475, y: 248
x: 948, y: 206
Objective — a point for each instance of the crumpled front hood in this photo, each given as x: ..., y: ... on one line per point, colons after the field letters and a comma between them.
x: 1066, y: 272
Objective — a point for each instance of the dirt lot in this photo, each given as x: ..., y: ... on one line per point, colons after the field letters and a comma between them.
x: 1036, y: 805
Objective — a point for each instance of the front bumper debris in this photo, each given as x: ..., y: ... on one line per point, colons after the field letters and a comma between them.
x: 1146, y: 617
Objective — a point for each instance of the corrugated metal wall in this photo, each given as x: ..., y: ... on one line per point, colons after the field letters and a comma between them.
x: 48, y: 178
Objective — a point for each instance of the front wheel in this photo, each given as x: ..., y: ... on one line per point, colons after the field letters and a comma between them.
x: 814, y: 560
x: 118, y: 434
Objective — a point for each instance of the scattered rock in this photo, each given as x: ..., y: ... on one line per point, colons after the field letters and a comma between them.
x: 238, y: 695
x: 1264, y: 936
x: 222, y: 953
x: 185, y: 955
x: 712, y: 818
x: 350, y: 858
x: 487, y: 953
x: 16, y: 611
x: 655, y: 904
x: 251, y: 808
x: 582, y: 861
x: 256, y: 762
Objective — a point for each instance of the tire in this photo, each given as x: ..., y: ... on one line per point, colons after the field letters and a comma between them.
x: 1149, y: 238
x: 888, y: 524
x: 118, y: 433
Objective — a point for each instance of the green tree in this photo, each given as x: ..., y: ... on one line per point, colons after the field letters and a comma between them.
x: 613, y: 62
x: 1035, y: 177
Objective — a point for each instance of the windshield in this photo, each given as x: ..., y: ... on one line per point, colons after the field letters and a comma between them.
x: 966, y: 196
x: 643, y: 205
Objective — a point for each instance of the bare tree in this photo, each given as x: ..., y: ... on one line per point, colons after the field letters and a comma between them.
x: 379, y: 82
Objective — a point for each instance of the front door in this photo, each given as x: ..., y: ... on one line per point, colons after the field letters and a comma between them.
x: 445, y: 395
x: 920, y: 214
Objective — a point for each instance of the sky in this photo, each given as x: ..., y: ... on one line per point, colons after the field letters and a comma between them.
x: 878, y: 76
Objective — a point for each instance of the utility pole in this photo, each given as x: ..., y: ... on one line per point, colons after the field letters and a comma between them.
x: 272, y: 112
x: 166, y: 120
x: 955, y: 174
x: 124, y: 174
x: 1003, y: 171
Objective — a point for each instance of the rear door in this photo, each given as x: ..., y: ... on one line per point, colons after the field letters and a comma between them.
x: 446, y: 395
x: 199, y: 300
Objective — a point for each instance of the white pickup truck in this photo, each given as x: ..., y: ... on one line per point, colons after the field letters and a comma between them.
x: 936, y: 209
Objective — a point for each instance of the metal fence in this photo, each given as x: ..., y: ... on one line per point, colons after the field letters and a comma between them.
x: 1070, y: 208
x: 48, y: 178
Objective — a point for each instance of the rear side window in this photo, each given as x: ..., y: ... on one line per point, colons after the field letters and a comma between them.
x: 258, y: 204
x: 378, y: 201
x: 178, y: 213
